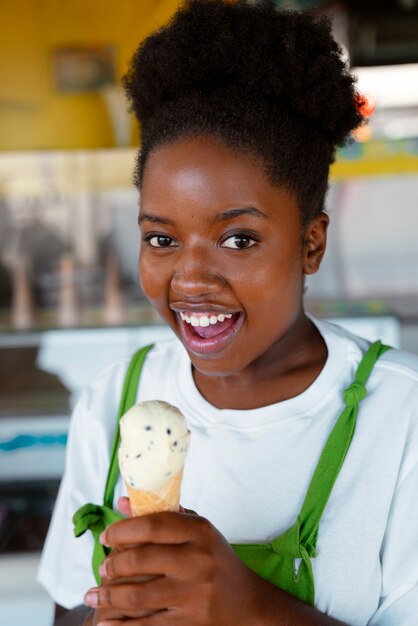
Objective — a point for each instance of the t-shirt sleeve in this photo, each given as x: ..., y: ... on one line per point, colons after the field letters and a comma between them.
x: 398, y: 604
x: 65, y: 569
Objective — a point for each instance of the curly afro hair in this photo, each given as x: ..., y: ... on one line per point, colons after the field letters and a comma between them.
x: 267, y: 81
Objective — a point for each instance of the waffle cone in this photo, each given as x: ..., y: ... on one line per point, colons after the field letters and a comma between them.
x: 166, y: 498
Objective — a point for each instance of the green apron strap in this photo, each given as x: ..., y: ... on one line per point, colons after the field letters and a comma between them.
x: 128, y: 399
x: 335, y: 451
x: 92, y: 516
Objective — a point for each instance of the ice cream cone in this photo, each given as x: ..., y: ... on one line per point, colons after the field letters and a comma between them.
x: 166, y: 498
x: 154, y: 445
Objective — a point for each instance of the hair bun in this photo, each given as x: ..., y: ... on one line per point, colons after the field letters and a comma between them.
x: 282, y: 56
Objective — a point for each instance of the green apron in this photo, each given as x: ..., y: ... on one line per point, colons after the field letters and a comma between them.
x: 285, y: 561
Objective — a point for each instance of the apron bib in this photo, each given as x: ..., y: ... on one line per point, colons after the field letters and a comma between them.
x: 285, y: 561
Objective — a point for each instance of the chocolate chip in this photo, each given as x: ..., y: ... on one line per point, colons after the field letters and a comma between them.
x: 168, y: 431
x: 137, y: 456
x: 148, y: 427
x: 175, y: 443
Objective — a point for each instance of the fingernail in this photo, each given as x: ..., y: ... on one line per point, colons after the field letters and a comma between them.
x: 102, y: 538
x: 102, y: 570
x: 92, y: 598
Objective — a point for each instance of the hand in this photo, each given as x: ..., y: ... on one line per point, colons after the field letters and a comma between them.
x: 197, y: 580
x: 102, y: 615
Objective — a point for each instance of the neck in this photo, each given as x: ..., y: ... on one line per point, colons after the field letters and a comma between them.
x: 287, y: 369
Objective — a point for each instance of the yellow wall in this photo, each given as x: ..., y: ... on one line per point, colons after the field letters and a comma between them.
x: 394, y: 165
x: 33, y: 114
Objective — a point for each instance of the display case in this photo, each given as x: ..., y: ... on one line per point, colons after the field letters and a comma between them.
x: 42, y: 374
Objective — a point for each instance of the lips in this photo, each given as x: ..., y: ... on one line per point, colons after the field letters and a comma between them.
x: 210, y: 339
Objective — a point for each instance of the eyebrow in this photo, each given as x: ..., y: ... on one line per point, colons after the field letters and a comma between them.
x: 232, y: 213
x: 220, y: 217
x: 156, y: 219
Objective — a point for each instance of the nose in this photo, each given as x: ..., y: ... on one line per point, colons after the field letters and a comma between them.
x: 195, y: 274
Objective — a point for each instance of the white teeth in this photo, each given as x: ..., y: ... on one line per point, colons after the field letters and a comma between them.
x: 205, y: 320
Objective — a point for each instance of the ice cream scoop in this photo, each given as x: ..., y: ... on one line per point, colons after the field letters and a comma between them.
x: 154, y: 444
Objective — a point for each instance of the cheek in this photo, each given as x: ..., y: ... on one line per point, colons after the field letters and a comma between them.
x: 151, y: 278
x: 275, y: 280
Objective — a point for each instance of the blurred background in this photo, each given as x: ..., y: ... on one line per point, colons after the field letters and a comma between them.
x: 70, y: 300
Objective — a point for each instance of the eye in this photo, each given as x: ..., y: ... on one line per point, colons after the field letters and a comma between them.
x: 239, y: 242
x: 160, y: 241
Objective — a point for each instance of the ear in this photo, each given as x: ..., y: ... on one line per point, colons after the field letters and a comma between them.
x: 315, y: 242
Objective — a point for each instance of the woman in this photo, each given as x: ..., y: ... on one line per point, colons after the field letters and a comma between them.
x: 303, y: 464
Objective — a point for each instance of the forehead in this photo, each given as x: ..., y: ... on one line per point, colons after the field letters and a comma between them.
x: 205, y: 172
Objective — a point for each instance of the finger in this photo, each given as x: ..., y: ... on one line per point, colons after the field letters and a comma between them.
x: 167, y: 527
x: 159, y: 618
x: 156, y: 594
x: 187, y: 511
x: 125, y: 506
x: 146, y: 560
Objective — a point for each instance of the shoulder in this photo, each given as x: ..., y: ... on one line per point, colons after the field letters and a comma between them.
x: 94, y: 417
x: 163, y: 352
x: 394, y: 362
x: 400, y: 364
x: 387, y: 422
x: 393, y: 382
x: 105, y: 388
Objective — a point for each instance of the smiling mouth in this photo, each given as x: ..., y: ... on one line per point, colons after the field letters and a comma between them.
x: 208, y: 333
x: 208, y: 325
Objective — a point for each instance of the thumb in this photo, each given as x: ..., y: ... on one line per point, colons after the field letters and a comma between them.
x: 125, y: 506
x: 187, y: 511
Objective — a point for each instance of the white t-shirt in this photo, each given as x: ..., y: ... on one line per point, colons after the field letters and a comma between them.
x: 248, y: 472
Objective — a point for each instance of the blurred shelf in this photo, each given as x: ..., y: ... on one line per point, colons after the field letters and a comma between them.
x: 92, y: 317
x: 22, y: 599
